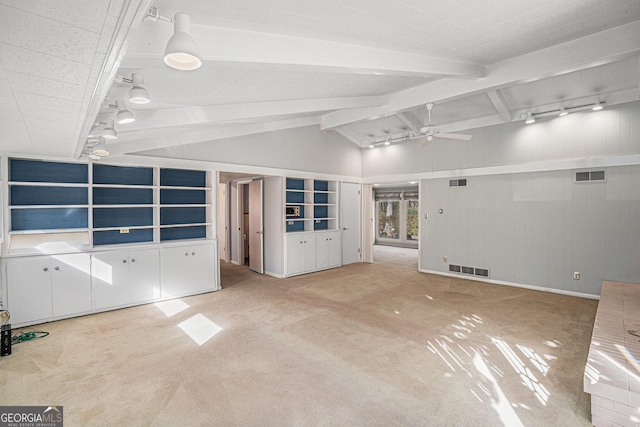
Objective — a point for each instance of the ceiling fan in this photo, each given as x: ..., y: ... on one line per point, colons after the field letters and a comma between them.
x: 431, y: 131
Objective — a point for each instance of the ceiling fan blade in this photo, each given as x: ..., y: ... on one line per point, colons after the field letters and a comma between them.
x: 460, y: 136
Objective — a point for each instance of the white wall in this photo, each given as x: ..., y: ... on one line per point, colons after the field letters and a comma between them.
x: 302, y: 149
x: 536, y: 229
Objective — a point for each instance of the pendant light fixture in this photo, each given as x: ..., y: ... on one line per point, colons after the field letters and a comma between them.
x: 181, y: 52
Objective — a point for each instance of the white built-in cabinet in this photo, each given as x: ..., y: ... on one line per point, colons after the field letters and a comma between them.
x: 44, y: 287
x: 50, y: 287
x: 307, y: 252
x: 188, y: 269
x: 122, y: 278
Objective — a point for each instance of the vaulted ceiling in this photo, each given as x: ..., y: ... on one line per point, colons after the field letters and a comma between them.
x: 363, y: 68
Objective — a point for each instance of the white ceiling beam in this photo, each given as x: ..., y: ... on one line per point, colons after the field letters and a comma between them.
x: 146, y: 48
x: 501, y: 105
x: 155, y: 139
x: 168, y: 117
x: 608, y: 46
x: 410, y: 121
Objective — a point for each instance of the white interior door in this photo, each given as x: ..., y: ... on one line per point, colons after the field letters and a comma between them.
x: 256, y: 233
x: 350, y: 214
x: 223, y: 228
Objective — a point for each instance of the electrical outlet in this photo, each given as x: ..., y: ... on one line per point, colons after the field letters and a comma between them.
x: 445, y: 259
x: 426, y: 216
x: 576, y: 275
x: 124, y: 231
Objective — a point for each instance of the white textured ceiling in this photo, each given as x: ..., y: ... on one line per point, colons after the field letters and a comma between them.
x: 363, y: 68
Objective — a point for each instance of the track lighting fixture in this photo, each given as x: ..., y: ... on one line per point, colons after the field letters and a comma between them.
x: 387, y: 141
x: 100, y: 149
x: 109, y: 131
x: 530, y: 119
x: 372, y: 145
x: 96, y: 129
x: 182, y: 52
x: 123, y: 115
x: 138, y: 94
x: 597, y: 106
x: 563, y: 112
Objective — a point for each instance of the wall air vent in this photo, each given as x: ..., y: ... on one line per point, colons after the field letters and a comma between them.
x: 467, y: 270
x: 586, y: 176
x: 458, y: 182
x: 481, y: 272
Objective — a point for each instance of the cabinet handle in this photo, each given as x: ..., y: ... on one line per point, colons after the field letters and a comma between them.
x: 124, y: 261
x: 186, y: 254
x: 56, y: 268
x: 133, y: 260
x: 45, y: 269
x: 300, y: 241
x: 193, y: 253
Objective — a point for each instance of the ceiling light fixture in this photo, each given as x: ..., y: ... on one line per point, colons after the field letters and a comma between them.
x: 100, y: 149
x: 109, y: 131
x: 597, y: 106
x: 530, y: 119
x: 182, y: 52
x: 387, y: 141
x: 123, y: 115
x: 138, y: 94
x: 563, y: 112
x: 372, y: 144
x: 96, y: 129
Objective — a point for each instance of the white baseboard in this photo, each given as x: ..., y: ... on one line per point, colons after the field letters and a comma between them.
x: 515, y: 285
x: 234, y: 262
x: 277, y: 276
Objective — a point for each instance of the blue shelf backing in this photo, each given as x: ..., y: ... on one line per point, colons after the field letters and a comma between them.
x: 170, y: 216
x: 295, y: 226
x: 122, y: 217
x: 320, y: 212
x: 320, y: 198
x: 183, y: 197
x: 295, y: 184
x: 24, y: 195
x: 40, y: 171
x: 321, y: 225
x: 182, y: 178
x: 121, y: 175
x: 294, y: 197
x: 179, y: 233
x: 321, y: 185
x: 112, y: 237
x: 49, y: 218
x: 122, y: 196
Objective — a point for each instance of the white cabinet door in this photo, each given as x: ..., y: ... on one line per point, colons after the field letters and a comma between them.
x: 110, y: 279
x: 188, y: 270
x: 71, y: 284
x: 29, y: 289
x: 301, y: 253
x: 144, y: 275
x: 328, y: 250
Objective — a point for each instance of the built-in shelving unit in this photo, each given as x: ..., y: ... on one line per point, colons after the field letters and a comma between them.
x: 106, y: 204
x: 310, y: 205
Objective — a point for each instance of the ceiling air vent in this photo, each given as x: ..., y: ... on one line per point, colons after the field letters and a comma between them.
x: 458, y: 182
x: 586, y: 176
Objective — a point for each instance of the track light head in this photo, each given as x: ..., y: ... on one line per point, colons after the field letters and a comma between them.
x: 597, y: 106
x: 100, y: 149
x: 109, y: 131
x: 138, y: 94
x: 123, y: 115
x: 563, y: 112
x: 530, y: 119
x: 182, y: 52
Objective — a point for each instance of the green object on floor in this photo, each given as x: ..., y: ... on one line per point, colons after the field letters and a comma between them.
x: 28, y: 336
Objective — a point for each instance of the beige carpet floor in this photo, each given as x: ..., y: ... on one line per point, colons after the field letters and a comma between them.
x: 363, y: 345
